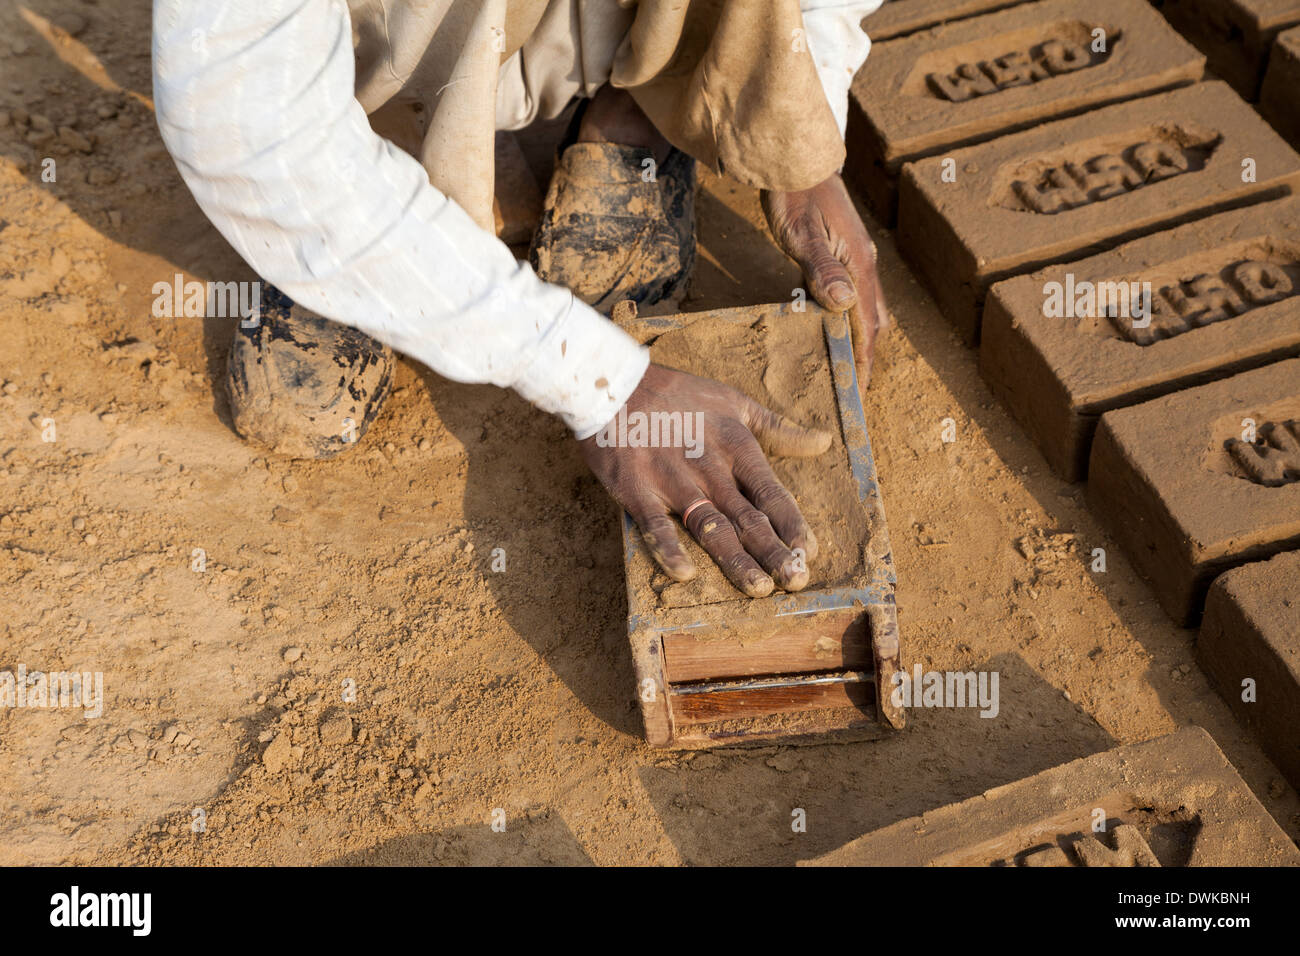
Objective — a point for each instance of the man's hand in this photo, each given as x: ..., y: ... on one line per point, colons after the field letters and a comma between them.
x: 727, y: 495
x: 819, y: 229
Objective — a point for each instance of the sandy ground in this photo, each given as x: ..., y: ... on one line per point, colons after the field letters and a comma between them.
x: 474, y: 690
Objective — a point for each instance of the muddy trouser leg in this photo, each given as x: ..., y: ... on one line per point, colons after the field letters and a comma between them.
x: 303, y: 386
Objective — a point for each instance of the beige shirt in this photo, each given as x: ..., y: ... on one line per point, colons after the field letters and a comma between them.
x: 263, y: 104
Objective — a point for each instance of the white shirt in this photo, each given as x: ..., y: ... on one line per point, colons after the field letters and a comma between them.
x: 254, y: 99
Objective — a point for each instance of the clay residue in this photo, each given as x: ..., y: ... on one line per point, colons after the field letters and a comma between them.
x: 781, y: 362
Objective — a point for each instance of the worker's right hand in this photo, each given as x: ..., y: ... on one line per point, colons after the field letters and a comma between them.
x: 732, y: 503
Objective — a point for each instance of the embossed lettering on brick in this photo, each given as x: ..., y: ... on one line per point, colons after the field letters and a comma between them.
x: 1208, y: 297
x: 1274, y: 460
x: 1041, y: 61
x: 1090, y: 173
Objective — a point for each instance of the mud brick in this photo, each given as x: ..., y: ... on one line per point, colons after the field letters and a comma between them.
x: 1203, y: 480
x: 1251, y: 632
x: 1224, y: 295
x: 898, y: 17
x: 1279, y: 100
x: 1173, y: 801
x: 976, y: 79
x: 1234, y: 34
x: 1076, y: 187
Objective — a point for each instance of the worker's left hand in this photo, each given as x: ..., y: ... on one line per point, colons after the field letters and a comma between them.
x: 819, y: 229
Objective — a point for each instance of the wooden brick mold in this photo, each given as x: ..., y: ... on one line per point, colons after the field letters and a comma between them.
x: 714, y: 667
x: 1202, y: 480
x: 1064, y: 345
x: 1249, y: 646
x: 1174, y: 801
x: 974, y: 80
x: 1075, y: 187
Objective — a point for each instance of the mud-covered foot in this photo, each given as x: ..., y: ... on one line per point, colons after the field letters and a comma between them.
x: 303, y: 386
x: 618, y: 224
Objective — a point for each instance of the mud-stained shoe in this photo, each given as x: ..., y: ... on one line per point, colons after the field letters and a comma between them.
x: 301, y: 385
x: 610, y: 231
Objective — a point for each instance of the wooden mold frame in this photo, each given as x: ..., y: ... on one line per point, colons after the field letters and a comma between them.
x: 805, y: 667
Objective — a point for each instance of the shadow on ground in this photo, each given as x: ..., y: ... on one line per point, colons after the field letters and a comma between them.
x: 707, y: 802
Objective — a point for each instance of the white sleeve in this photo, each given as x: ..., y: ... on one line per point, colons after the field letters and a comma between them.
x: 839, y: 46
x: 255, y: 102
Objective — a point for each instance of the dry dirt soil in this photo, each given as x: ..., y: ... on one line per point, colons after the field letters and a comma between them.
x: 474, y: 690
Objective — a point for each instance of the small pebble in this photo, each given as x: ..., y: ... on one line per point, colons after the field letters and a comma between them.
x: 73, y: 23
x: 79, y: 524
x: 101, y: 176
x: 292, y: 654
x: 73, y: 140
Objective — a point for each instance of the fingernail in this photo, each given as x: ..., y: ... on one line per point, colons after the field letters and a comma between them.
x: 760, y: 585
x: 810, y: 546
x: 794, y: 575
x: 841, y: 293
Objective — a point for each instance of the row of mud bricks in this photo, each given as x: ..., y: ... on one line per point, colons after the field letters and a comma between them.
x: 1104, y: 197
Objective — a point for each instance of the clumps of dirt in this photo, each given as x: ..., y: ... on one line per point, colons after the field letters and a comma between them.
x: 1054, y: 559
x: 778, y: 358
